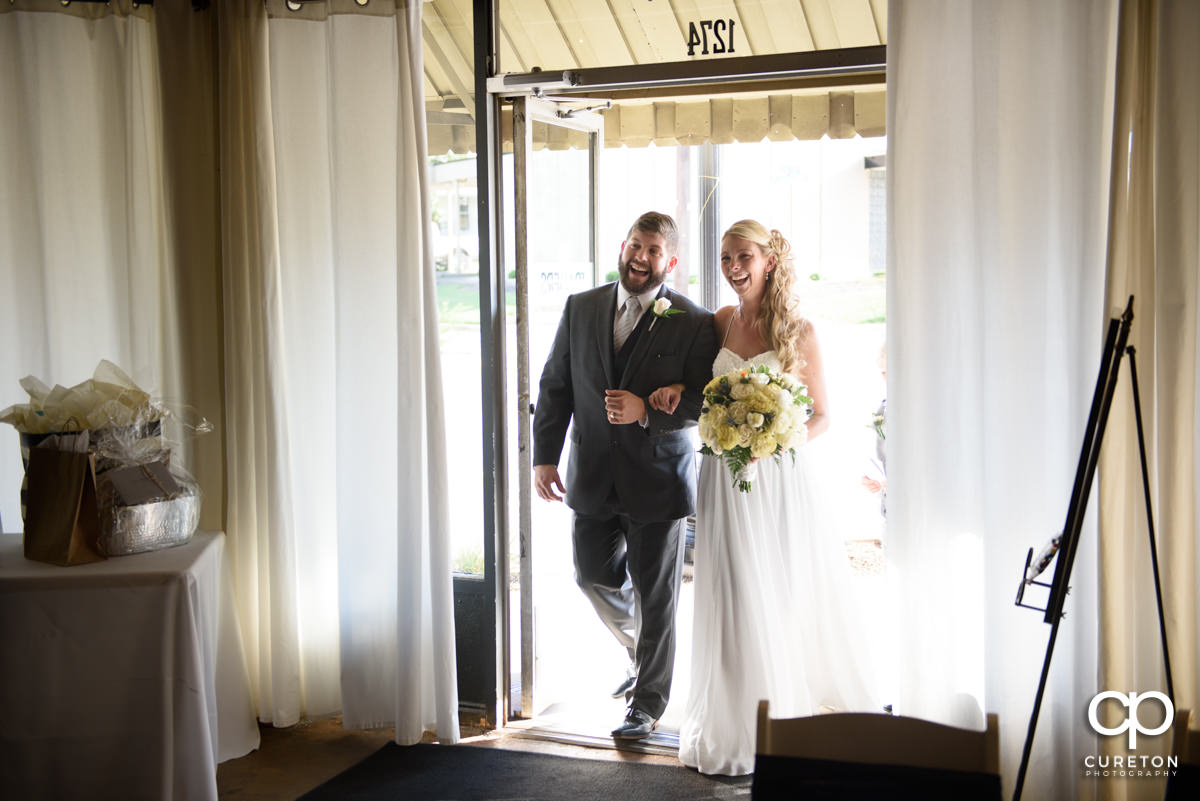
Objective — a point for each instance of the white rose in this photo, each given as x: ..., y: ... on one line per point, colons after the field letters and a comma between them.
x: 761, y: 379
x: 796, y: 438
x: 755, y: 419
x: 745, y: 435
x: 740, y: 391
x: 661, y: 305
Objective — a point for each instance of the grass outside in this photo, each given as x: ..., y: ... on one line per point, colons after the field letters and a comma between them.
x: 458, y: 300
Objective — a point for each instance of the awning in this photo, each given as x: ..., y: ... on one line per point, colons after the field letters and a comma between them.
x: 557, y: 36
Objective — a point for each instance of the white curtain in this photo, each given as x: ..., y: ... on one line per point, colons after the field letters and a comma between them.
x: 1001, y: 147
x: 1154, y: 254
x: 86, y: 257
x: 334, y: 448
x: 337, y: 475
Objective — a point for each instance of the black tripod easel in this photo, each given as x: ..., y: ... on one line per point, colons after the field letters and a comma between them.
x: 1115, y: 347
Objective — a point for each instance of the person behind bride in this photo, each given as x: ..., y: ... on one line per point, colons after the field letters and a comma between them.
x: 772, y: 604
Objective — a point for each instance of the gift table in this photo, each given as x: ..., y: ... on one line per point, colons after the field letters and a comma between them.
x: 121, y: 679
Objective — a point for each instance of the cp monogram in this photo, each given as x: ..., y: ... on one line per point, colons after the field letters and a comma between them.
x: 1131, y: 723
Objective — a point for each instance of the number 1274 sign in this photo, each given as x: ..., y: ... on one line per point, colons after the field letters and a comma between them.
x: 711, y: 36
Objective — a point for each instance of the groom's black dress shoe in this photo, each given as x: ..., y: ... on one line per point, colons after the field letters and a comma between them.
x: 637, y: 726
x: 622, y: 690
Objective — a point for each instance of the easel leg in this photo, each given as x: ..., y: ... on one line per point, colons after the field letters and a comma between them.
x: 1162, y: 623
x: 1037, y: 706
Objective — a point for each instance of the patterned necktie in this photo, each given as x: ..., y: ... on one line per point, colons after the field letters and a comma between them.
x: 626, y: 321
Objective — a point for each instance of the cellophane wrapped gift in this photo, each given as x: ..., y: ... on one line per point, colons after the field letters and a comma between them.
x: 144, y: 500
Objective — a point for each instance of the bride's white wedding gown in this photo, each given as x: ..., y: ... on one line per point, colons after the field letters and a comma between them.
x: 773, y: 615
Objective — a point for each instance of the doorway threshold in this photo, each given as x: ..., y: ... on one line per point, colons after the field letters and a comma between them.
x: 572, y: 725
x: 658, y: 743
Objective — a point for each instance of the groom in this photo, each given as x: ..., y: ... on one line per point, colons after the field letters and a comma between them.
x: 631, y: 475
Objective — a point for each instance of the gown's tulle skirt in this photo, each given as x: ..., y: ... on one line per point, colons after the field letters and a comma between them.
x: 775, y: 618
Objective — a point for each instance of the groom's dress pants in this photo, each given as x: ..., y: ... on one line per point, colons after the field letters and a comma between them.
x: 631, y: 571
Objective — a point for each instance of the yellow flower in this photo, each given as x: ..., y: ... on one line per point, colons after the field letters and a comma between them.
x: 738, y: 411
x: 764, y: 445
x: 759, y: 402
x: 727, y: 437
x: 740, y: 391
x: 755, y: 419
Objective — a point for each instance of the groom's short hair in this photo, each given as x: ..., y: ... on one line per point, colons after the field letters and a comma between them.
x: 655, y: 222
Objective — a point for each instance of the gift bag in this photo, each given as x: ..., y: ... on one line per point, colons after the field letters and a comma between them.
x: 62, y: 526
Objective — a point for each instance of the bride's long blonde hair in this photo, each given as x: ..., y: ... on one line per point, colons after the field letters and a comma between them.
x: 778, y: 322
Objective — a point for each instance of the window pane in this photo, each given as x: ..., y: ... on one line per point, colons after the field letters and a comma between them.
x: 456, y: 259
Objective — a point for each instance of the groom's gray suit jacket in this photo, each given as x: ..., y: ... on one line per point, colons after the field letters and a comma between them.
x: 650, y: 471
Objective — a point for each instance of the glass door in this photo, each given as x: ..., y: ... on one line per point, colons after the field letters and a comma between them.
x: 686, y: 92
x: 553, y: 224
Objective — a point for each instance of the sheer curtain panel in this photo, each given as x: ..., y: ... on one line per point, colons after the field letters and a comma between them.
x: 87, y: 265
x: 1154, y: 254
x: 338, y: 483
x: 999, y: 144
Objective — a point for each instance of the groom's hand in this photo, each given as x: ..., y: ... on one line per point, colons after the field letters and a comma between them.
x: 623, y: 407
x: 545, y: 480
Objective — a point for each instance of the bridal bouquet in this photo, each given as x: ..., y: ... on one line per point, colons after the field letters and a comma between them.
x: 750, y: 414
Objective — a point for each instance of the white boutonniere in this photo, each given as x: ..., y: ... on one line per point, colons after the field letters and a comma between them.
x: 662, y: 308
x: 878, y: 423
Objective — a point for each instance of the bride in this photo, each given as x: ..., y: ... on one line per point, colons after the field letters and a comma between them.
x: 771, y: 574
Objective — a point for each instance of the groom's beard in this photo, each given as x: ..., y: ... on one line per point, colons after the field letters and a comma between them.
x: 637, y: 284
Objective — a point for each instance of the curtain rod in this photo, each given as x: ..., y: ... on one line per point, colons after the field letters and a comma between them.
x: 197, y: 5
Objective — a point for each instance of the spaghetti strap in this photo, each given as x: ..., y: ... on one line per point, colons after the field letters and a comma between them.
x: 728, y: 328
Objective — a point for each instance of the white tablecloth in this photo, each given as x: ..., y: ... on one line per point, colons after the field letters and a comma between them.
x: 122, y: 679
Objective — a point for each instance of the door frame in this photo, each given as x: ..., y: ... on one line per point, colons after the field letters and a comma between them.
x: 842, y: 66
x: 528, y: 109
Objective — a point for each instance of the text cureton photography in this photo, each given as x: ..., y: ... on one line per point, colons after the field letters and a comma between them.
x: 1130, y: 764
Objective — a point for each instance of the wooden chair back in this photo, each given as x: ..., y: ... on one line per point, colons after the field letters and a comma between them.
x: 860, y: 755
x: 1183, y: 783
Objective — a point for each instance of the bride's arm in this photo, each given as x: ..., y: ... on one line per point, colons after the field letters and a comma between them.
x: 814, y: 377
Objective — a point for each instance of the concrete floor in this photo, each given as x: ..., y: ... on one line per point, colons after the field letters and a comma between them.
x: 292, y: 761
